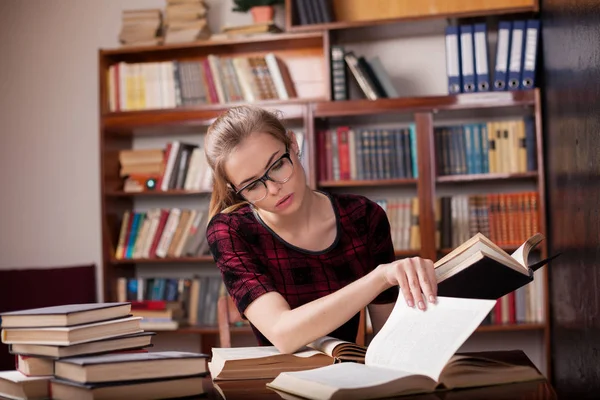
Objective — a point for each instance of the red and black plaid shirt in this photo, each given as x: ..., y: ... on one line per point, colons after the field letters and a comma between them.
x: 254, y: 260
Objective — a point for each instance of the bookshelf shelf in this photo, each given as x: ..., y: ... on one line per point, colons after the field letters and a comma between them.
x: 338, y: 25
x: 259, y: 43
x: 373, y: 182
x: 406, y: 253
x: 157, y: 193
x: 136, y: 123
x: 512, y: 327
x: 169, y: 260
x: 486, y: 177
x: 425, y: 103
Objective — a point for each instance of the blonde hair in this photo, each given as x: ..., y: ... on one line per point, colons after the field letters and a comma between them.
x: 223, y: 136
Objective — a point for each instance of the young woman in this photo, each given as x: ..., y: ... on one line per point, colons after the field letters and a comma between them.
x: 299, y: 264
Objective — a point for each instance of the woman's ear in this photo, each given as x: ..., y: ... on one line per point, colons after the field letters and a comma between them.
x: 294, y: 143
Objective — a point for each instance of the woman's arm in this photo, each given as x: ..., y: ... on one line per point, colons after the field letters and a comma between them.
x: 289, y: 330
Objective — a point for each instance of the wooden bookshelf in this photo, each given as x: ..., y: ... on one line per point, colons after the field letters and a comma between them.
x: 166, y: 260
x: 365, y: 13
x: 425, y: 103
x: 369, y: 182
x: 118, y: 130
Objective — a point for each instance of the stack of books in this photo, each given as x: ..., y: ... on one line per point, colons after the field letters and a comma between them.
x: 185, y: 21
x: 138, y: 166
x: 141, y: 27
x: 92, y: 351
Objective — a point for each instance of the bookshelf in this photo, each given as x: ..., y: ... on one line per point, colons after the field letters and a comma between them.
x: 314, y: 110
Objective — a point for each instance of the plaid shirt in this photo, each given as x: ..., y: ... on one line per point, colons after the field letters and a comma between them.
x: 254, y: 260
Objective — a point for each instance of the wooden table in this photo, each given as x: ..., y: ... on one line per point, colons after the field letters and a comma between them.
x: 534, y: 390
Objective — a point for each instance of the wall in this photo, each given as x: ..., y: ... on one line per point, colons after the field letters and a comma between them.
x: 49, y: 164
x: 571, y: 51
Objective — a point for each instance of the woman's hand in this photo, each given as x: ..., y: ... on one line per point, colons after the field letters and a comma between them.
x: 416, y: 278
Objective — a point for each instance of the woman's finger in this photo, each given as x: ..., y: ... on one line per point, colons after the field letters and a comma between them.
x: 403, y: 282
x: 425, y: 280
x: 413, y: 282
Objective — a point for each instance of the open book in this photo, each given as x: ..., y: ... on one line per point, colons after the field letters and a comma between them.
x: 413, y: 353
x: 264, y: 362
x: 479, y: 269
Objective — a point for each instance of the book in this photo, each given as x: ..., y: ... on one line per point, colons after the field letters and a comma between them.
x: 65, y: 315
x: 143, y: 389
x: 70, y: 335
x: 34, y: 366
x: 415, y: 352
x: 480, y: 269
x: 15, y: 385
x: 130, y: 366
x: 126, y: 342
x: 261, y: 362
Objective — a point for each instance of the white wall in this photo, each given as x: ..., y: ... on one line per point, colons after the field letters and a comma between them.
x: 49, y: 161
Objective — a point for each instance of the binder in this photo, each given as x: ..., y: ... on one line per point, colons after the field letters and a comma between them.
x: 516, y: 55
x: 467, y: 58
x: 452, y: 60
x: 502, y: 51
x: 482, y: 71
x: 530, y: 54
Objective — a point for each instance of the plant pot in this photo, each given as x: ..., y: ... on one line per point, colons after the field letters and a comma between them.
x: 262, y: 14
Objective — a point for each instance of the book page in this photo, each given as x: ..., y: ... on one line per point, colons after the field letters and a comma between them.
x: 244, y: 353
x: 422, y: 342
x: 326, y: 344
x: 348, y: 375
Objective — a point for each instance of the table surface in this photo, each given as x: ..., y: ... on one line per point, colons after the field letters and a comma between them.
x: 534, y: 390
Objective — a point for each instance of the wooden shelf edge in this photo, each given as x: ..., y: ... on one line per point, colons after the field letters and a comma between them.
x: 530, y: 326
x: 485, y: 177
x: 129, y: 50
x: 425, y: 103
x: 180, y: 260
x: 371, y: 182
x: 152, y: 193
x: 366, y: 23
x: 204, y: 114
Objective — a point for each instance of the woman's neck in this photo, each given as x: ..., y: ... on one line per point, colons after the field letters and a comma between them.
x: 299, y: 220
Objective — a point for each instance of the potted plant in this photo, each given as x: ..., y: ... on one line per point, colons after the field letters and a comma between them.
x: 262, y: 10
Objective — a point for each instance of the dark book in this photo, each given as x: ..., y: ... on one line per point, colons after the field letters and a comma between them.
x: 130, y: 366
x: 65, y: 315
x: 127, y: 342
x: 140, y: 389
x: 479, y: 269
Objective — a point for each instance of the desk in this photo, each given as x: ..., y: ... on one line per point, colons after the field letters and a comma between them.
x: 535, y: 390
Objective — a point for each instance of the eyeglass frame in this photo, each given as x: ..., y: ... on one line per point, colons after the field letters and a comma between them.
x: 265, y: 177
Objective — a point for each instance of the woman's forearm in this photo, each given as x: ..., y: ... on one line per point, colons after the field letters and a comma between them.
x: 295, y: 328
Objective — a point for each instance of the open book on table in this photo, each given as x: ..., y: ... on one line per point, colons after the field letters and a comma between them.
x: 415, y: 352
x: 480, y: 269
x: 264, y: 362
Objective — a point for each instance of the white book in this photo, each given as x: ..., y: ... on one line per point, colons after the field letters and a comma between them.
x: 413, y: 353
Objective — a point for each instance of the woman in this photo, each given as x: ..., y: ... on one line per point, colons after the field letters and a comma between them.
x: 299, y: 264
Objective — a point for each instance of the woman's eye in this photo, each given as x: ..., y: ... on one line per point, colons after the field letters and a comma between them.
x: 277, y: 165
x: 252, y: 187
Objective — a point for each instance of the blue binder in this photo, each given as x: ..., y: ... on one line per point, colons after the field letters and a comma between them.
x: 502, y: 52
x: 530, y: 54
x: 517, y: 47
x: 467, y: 58
x: 482, y: 70
x: 453, y: 60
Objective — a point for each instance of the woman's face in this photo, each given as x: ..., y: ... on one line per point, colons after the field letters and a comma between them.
x: 256, y: 155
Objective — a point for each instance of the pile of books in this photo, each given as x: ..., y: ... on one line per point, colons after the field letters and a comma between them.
x: 185, y: 21
x: 138, y: 166
x: 92, y: 351
x: 141, y: 27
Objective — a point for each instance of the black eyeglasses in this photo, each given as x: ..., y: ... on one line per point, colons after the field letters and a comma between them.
x: 279, y: 172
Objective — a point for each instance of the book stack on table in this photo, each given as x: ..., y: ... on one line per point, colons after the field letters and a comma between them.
x: 92, y: 351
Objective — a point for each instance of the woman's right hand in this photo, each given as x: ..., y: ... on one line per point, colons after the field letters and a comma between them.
x: 416, y: 278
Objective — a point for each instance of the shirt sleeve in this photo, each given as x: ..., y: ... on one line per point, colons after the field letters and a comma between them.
x: 381, y: 248
x: 244, y: 276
